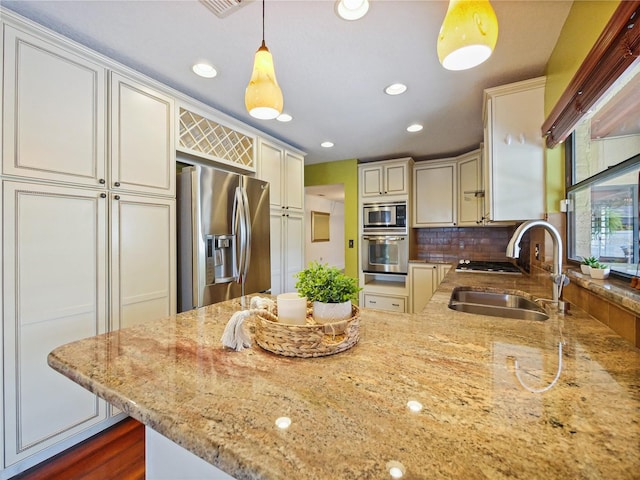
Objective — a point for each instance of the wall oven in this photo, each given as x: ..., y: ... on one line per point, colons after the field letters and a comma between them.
x: 384, y: 217
x: 385, y: 253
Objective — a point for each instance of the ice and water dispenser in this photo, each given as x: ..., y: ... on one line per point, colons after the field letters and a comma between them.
x: 220, y: 259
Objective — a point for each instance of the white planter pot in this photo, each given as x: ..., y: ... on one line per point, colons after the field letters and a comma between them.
x: 331, y: 312
x: 599, y: 273
x: 585, y: 269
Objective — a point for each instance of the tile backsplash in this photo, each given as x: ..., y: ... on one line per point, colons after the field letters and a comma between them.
x: 450, y: 244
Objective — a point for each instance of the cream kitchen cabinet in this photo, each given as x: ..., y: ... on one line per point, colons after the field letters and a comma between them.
x: 82, y: 254
x: 54, y: 114
x: 392, y: 177
x: 514, y: 151
x: 54, y: 120
x: 142, y: 139
x: 434, y: 194
x: 287, y: 249
x: 55, y: 292
x: 143, y: 259
x: 424, y: 279
x: 284, y: 170
x: 470, y: 200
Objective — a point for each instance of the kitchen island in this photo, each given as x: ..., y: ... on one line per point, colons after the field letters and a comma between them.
x: 350, y: 413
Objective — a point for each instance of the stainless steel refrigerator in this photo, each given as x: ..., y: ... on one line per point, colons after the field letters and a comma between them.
x: 223, y: 236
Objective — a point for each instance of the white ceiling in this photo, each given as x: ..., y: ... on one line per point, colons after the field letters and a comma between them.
x: 332, y: 72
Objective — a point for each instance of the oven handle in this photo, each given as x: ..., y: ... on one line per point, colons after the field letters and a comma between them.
x: 388, y: 239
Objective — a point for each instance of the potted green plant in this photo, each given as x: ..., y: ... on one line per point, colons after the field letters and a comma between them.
x: 330, y: 290
x: 599, y: 271
x: 586, y: 263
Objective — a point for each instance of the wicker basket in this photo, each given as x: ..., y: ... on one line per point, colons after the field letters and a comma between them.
x: 309, y: 340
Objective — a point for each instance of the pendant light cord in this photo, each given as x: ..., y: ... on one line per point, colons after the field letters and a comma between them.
x: 263, y: 22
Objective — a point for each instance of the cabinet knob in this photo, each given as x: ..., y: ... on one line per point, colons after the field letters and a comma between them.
x: 103, y: 195
x: 117, y: 197
x: 117, y: 184
x: 102, y: 181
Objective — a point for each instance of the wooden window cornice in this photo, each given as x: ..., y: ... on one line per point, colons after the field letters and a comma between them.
x: 615, y: 50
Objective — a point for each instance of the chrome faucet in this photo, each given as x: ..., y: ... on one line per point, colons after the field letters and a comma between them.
x: 513, y: 251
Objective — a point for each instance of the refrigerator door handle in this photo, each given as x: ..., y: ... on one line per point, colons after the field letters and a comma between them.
x: 247, y: 239
x: 241, y: 223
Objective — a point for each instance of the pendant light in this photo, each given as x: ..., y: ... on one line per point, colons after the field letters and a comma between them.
x: 468, y: 34
x: 263, y: 97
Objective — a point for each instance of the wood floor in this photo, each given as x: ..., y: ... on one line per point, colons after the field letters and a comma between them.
x: 115, y: 454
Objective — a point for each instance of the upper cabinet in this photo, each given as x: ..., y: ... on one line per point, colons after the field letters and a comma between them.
x: 54, y: 112
x: 392, y: 177
x: 470, y: 189
x: 284, y: 170
x: 142, y: 138
x: 514, y: 153
x: 434, y: 194
x: 55, y: 127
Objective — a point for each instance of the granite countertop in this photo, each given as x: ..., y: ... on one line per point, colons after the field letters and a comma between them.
x: 349, y: 411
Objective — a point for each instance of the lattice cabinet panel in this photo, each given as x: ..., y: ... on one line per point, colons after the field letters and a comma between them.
x: 205, y: 136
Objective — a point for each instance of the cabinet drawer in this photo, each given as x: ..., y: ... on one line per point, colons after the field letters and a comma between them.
x: 380, y: 302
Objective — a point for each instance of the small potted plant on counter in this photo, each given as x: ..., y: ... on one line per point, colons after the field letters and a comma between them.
x: 330, y: 290
x: 586, y: 264
x: 599, y: 271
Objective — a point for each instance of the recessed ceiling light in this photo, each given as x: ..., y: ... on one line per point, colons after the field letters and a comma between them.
x: 204, y: 70
x: 326, y: 144
x: 351, y: 9
x: 284, y: 117
x: 416, y: 127
x: 395, y: 89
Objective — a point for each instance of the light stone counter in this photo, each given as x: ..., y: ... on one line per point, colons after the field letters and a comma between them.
x: 349, y: 411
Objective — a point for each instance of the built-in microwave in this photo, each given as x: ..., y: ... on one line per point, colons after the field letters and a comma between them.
x: 384, y: 217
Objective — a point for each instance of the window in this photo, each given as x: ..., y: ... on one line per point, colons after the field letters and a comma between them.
x: 604, y: 174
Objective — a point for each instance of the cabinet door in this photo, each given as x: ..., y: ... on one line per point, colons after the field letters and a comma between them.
x: 271, y: 159
x: 435, y: 195
x: 294, y: 249
x: 277, y: 250
x: 470, y: 195
x: 54, y: 293
x: 143, y: 259
x: 371, y: 181
x: 424, y: 279
x: 54, y: 112
x: 294, y: 181
x: 517, y: 156
x: 395, y: 180
x: 142, y: 138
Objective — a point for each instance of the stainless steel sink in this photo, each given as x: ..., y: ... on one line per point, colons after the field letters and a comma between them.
x: 496, y: 304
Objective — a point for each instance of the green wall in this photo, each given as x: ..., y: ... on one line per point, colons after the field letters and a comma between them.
x: 582, y: 28
x: 346, y: 172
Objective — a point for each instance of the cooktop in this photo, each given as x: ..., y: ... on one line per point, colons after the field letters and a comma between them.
x: 472, y: 266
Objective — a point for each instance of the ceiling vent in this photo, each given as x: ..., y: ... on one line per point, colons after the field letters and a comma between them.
x: 223, y: 8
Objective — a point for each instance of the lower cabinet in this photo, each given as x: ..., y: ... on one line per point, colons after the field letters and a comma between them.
x: 424, y: 279
x: 384, y: 302
x: 55, y: 292
x: 287, y: 249
x: 57, y: 243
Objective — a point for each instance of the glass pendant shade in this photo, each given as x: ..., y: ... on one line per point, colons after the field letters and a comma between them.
x: 468, y: 34
x: 263, y: 97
